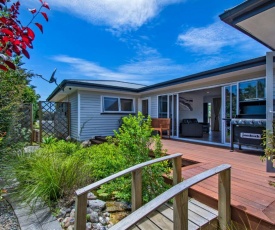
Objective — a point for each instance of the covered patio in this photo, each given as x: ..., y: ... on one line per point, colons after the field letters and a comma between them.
x: 252, y: 196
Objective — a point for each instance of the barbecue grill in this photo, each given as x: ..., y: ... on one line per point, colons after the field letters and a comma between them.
x: 245, y: 131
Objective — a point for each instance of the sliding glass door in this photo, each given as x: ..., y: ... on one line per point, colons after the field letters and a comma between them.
x: 229, y: 111
x: 168, y: 108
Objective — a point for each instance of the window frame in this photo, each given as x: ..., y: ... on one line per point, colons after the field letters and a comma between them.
x: 119, y: 104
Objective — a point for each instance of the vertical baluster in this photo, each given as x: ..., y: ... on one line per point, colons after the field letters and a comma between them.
x: 81, y: 212
x: 136, y: 189
x: 224, y: 199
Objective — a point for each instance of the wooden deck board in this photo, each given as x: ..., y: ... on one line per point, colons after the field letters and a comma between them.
x: 199, y: 217
x: 250, y: 189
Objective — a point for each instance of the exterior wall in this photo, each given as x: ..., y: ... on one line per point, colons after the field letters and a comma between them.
x: 74, y: 115
x: 154, y: 106
x: 92, y: 121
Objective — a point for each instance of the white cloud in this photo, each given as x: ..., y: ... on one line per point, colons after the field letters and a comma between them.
x: 213, y: 38
x: 210, y: 39
x: 144, y: 70
x: 117, y: 14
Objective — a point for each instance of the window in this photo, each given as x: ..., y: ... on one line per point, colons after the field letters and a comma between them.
x: 116, y: 104
x: 145, y: 107
x: 162, y: 113
x: 250, y: 90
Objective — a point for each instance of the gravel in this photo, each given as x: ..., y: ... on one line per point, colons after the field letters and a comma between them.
x: 8, y: 220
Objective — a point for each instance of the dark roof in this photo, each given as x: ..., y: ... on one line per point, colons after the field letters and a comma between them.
x: 210, y: 73
x: 244, y: 11
x: 137, y: 88
x: 98, y: 84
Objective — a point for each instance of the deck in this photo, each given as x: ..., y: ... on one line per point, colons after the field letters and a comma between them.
x: 200, y: 216
x: 252, y: 197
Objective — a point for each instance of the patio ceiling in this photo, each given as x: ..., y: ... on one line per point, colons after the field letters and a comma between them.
x: 256, y: 18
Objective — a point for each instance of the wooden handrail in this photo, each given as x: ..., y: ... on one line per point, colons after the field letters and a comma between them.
x: 81, y: 194
x: 181, y: 192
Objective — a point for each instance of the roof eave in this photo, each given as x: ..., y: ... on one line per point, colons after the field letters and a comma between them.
x: 245, y: 10
x: 65, y: 83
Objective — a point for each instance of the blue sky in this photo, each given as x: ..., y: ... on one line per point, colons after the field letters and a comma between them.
x: 141, y: 41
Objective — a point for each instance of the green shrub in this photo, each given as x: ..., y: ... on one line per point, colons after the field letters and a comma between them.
x: 134, y: 141
x: 104, y: 160
x: 61, y: 146
x: 49, y: 174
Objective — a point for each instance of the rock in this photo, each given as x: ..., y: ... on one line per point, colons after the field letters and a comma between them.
x: 110, y: 225
x: 72, y: 221
x: 66, y: 222
x: 71, y: 227
x: 94, y: 217
x: 88, y: 226
x: 62, y: 212
x: 114, y: 206
x: 106, y: 214
x: 60, y: 220
x: 89, y: 210
x: 86, y: 143
x: 68, y: 210
x: 102, y: 220
x: 97, y: 205
x: 91, y: 196
x: 31, y: 149
x: 72, y: 213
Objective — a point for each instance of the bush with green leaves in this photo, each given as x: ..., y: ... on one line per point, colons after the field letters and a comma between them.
x: 104, y: 160
x: 51, y: 172
x: 269, y: 145
x: 134, y: 140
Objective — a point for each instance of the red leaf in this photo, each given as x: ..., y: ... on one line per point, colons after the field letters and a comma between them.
x: 10, y: 64
x: 33, y: 11
x: 9, y: 52
x: 16, y: 50
x: 26, y: 39
x: 30, y: 33
x: 23, y: 45
x: 45, y: 16
x: 41, y: 1
x: 3, y: 1
x: 39, y: 26
x: 2, y: 67
x: 7, y: 31
x: 3, y: 19
x: 46, y: 5
x: 25, y: 52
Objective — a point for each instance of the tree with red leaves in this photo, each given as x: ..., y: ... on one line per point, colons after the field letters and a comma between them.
x: 16, y: 38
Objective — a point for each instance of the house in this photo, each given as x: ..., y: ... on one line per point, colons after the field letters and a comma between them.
x: 212, y: 98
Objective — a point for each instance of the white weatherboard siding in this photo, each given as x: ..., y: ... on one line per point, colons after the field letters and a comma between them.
x: 154, y: 106
x: 92, y: 121
x: 74, y: 115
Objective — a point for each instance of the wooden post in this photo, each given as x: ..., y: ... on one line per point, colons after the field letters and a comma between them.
x: 224, y: 199
x: 80, y: 212
x: 31, y: 121
x: 40, y: 122
x: 136, y: 189
x: 177, y: 170
x: 180, y: 206
x: 180, y: 211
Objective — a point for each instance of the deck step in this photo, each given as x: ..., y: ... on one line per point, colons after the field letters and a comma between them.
x: 96, y: 142
x: 200, y: 216
x: 100, y: 138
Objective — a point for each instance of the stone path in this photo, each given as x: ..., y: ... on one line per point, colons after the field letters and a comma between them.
x: 40, y: 218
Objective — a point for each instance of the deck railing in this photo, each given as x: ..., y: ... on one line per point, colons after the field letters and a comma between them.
x: 179, y: 192
x: 81, y: 194
x: 180, y: 205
